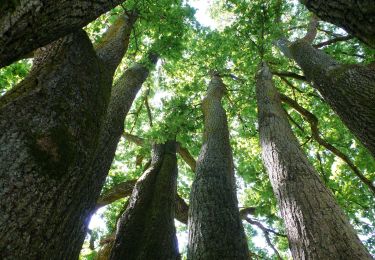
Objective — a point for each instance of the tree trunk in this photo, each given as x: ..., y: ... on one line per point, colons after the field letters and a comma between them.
x: 316, y: 226
x: 348, y: 89
x: 27, y: 25
x: 146, y: 230
x: 51, y: 127
x: 356, y: 17
x: 215, y: 228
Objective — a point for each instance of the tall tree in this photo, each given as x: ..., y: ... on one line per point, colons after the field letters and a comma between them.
x: 348, y: 88
x: 52, y: 122
x: 27, y: 25
x: 146, y: 229
x: 215, y: 227
x: 315, y: 224
x: 357, y: 17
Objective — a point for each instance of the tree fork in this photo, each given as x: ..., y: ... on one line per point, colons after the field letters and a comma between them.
x: 146, y: 229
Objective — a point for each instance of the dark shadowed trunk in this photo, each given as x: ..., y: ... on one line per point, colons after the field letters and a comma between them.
x: 348, y: 89
x: 215, y: 228
x: 355, y: 16
x: 146, y: 229
x: 51, y: 124
x: 27, y: 25
x: 316, y: 226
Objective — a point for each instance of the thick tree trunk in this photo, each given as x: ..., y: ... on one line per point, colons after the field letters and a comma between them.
x: 215, y: 228
x: 146, y: 230
x: 316, y: 226
x: 348, y: 89
x: 51, y: 124
x: 27, y: 25
x: 356, y: 16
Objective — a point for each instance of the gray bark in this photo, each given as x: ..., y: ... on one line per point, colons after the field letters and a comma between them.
x: 316, y: 226
x: 215, y: 227
x: 52, y: 123
x: 26, y: 25
x: 146, y: 229
x: 355, y: 16
x: 348, y: 89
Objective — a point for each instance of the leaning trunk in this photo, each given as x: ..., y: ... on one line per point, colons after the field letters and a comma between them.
x: 27, y: 25
x: 215, y: 228
x: 50, y: 127
x: 146, y: 229
x: 357, y: 17
x: 348, y: 89
x: 316, y: 226
x: 51, y: 124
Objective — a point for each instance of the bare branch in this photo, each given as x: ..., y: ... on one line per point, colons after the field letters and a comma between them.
x: 334, y: 40
x: 313, y: 121
x: 312, y: 29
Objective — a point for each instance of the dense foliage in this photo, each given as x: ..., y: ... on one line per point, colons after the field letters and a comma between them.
x: 168, y: 106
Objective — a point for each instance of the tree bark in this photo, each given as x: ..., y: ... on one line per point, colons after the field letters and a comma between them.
x: 348, y: 89
x: 52, y: 122
x: 215, y: 228
x: 356, y: 17
x: 146, y: 230
x: 27, y: 25
x: 316, y: 226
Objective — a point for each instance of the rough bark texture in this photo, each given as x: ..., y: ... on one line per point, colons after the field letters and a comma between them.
x: 348, y: 89
x: 26, y: 25
x: 146, y: 229
x: 52, y: 123
x: 215, y: 228
x: 50, y: 126
x: 316, y: 226
x: 124, y: 189
x: 355, y: 16
x: 122, y: 96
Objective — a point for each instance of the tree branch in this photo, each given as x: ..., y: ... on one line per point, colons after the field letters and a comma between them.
x: 312, y: 29
x: 289, y: 75
x: 334, y: 40
x: 313, y: 121
x: 182, y: 151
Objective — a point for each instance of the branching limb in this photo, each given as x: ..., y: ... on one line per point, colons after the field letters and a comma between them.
x: 182, y: 151
x: 334, y: 40
x: 313, y: 121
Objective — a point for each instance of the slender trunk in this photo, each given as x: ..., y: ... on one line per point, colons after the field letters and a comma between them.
x: 51, y: 124
x: 27, y: 25
x: 348, y: 89
x: 146, y: 230
x: 357, y: 17
x: 215, y: 228
x: 316, y: 226
x: 122, y: 97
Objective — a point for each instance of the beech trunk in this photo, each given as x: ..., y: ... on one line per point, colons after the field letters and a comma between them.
x: 356, y: 16
x: 26, y: 25
x: 348, y: 89
x: 215, y: 227
x: 146, y: 229
x: 51, y: 127
x: 316, y: 226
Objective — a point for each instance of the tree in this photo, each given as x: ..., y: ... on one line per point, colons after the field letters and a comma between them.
x: 348, y: 88
x: 360, y: 22
x: 146, y: 229
x: 26, y: 26
x: 52, y: 122
x: 316, y: 226
x: 215, y: 228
